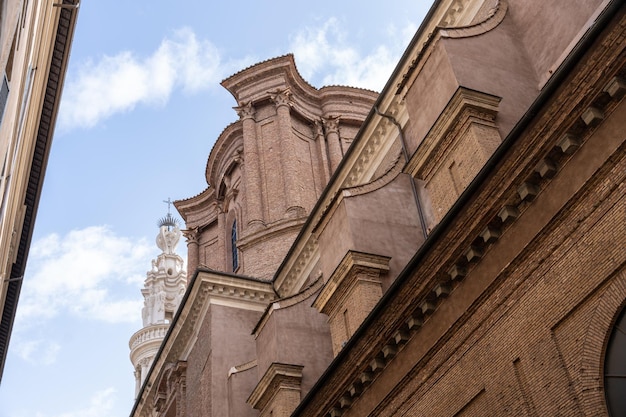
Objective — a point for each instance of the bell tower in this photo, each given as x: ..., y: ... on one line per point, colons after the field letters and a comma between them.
x: 163, y: 291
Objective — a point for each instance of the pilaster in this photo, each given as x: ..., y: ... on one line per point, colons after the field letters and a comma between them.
x: 460, y: 142
x: 252, y: 170
x: 323, y: 151
x: 288, y: 157
x: 193, y: 248
x: 351, y: 293
x: 278, y: 392
x: 331, y: 126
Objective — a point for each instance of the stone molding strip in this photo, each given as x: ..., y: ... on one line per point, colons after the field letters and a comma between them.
x: 286, y: 302
x: 243, y: 367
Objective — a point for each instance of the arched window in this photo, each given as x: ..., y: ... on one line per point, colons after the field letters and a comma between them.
x: 233, y: 246
x: 615, y: 368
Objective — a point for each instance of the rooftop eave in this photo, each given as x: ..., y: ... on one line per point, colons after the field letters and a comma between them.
x: 59, y: 51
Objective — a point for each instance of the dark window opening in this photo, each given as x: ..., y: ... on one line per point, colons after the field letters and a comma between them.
x: 233, y: 246
x: 615, y: 368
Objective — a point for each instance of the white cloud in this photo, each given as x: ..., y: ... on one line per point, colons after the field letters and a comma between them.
x: 98, y: 89
x: 100, y: 405
x: 324, y: 51
x: 113, y: 84
x: 37, y: 352
x: 91, y: 273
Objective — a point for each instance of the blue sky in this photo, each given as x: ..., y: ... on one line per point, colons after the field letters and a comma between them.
x: 141, y: 109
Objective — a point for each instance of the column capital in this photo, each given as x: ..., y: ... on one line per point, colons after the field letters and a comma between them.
x: 245, y: 111
x: 318, y: 128
x: 191, y: 235
x: 331, y: 124
x: 281, y: 97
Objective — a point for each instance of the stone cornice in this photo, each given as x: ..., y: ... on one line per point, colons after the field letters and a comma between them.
x: 494, y: 18
x: 441, y: 138
x: 259, y: 83
x: 243, y: 367
x: 351, y: 261
x: 269, y: 231
x: 392, y: 170
x: 302, y: 260
x: 278, y: 376
x: 194, y: 210
x: 253, y: 84
x: 234, y: 291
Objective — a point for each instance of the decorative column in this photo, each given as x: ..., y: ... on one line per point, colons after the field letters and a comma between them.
x: 323, y: 150
x: 252, y: 171
x: 181, y: 391
x: 289, y: 161
x: 193, y: 248
x: 331, y: 125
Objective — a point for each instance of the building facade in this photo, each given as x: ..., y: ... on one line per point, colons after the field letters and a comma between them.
x: 452, y: 246
x: 35, y: 42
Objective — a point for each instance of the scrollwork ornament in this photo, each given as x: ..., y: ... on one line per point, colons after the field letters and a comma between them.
x: 331, y: 124
x: 191, y: 235
x: 245, y: 111
x: 281, y: 97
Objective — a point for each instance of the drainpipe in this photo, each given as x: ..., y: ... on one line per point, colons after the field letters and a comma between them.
x: 406, y: 161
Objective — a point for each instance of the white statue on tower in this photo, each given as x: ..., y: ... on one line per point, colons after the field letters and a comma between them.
x: 164, y: 289
x: 167, y: 239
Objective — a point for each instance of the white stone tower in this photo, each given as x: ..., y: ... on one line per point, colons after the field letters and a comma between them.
x: 163, y: 291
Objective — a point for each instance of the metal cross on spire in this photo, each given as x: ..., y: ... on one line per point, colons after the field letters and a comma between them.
x: 169, y: 204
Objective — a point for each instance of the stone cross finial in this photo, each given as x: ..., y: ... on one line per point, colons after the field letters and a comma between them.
x: 169, y: 203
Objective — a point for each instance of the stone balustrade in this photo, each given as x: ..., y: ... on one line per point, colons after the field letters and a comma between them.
x: 147, y: 334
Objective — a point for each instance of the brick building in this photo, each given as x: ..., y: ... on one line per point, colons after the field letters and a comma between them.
x: 454, y: 245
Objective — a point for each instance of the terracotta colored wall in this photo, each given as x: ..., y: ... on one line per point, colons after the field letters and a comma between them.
x: 261, y: 261
x: 240, y: 385
x: 547, y: 28
x: 296, y: 335
x: 551, y: 286
x: 224, y: 341
x: 382, y: 222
